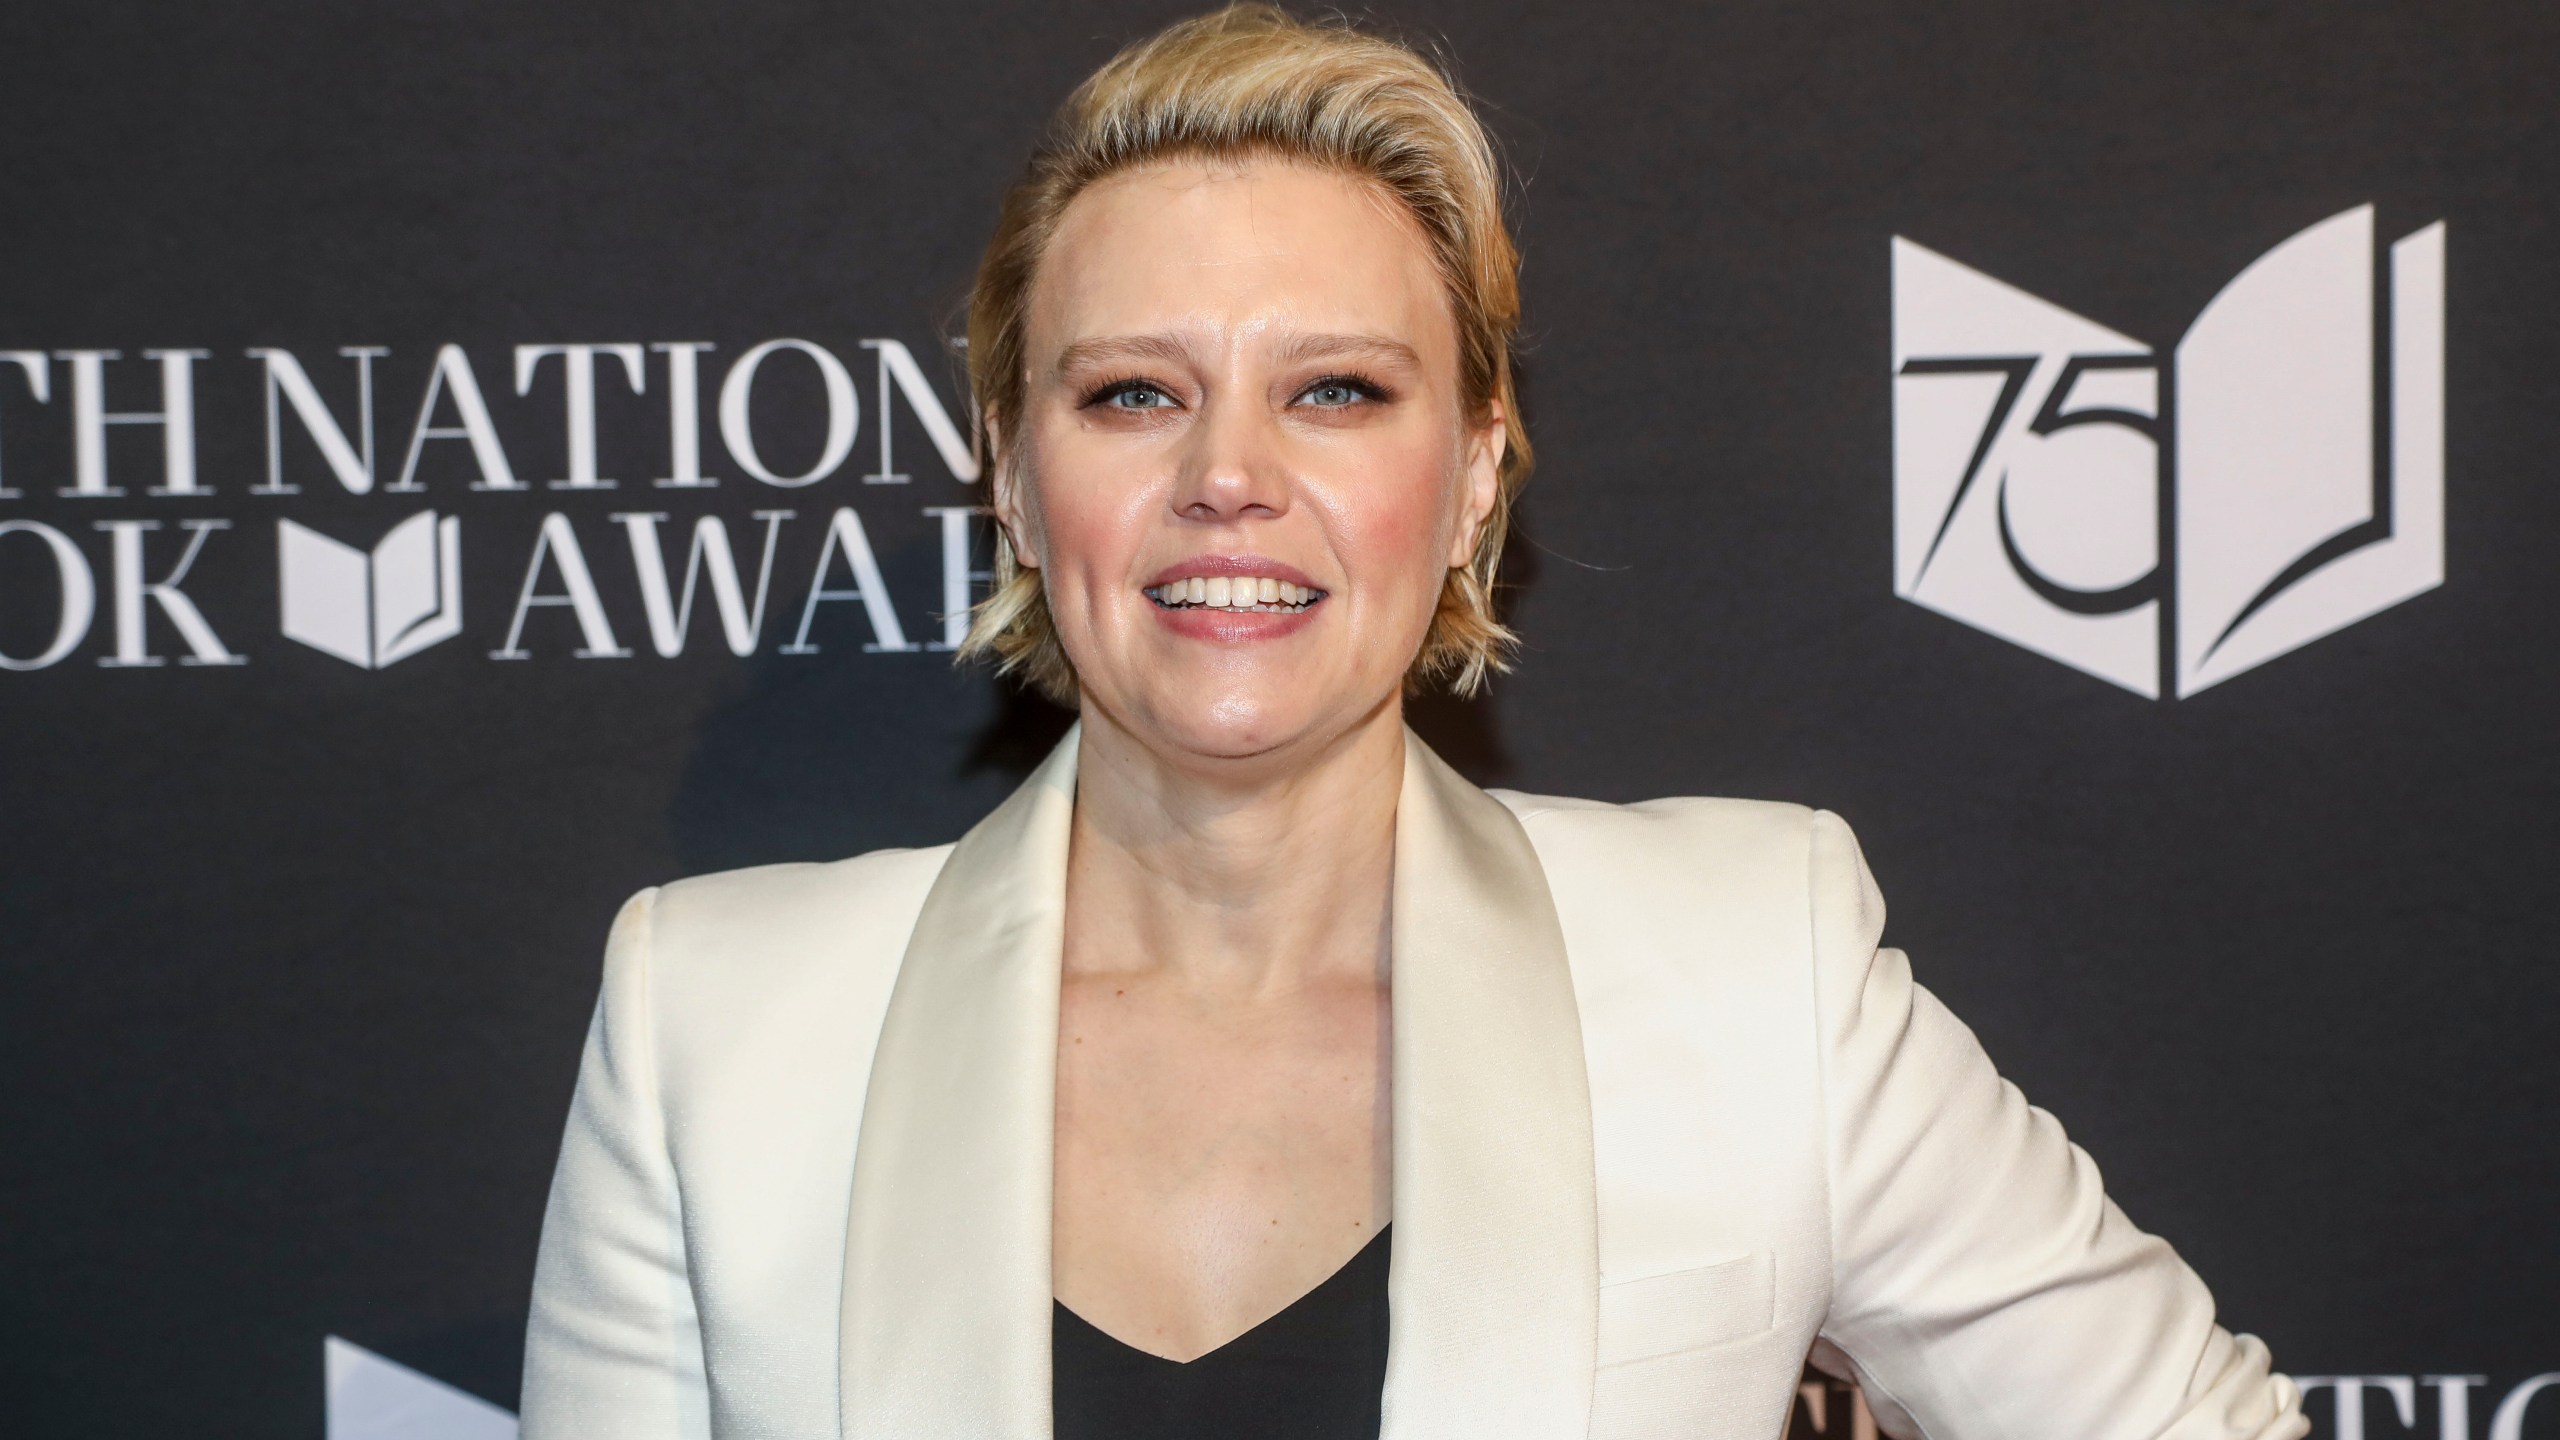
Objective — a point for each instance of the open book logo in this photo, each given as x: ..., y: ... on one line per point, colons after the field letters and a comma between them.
x: 371, y: 610
x: 2166, y: 522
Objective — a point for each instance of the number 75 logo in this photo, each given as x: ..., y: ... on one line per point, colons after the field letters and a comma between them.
x: 2167, y: 522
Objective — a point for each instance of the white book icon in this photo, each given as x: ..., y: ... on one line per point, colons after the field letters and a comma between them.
x: 2168, y: 520
x: 372, y: 610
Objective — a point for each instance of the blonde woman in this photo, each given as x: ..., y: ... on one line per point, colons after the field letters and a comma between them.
x: 1249, y: 1073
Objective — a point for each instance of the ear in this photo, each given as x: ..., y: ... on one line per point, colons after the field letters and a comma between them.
x: 1005, y: 498
x: 1481, y: 485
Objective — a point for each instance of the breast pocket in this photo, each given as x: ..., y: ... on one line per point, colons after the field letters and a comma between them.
x: 1676, y: 1362
x: 1687, y: 1309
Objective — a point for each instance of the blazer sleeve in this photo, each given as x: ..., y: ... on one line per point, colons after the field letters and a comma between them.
x: 1984, y: 1287
x: 613, y: 1350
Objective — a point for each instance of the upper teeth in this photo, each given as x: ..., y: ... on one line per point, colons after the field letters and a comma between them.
x: 1235, y: 592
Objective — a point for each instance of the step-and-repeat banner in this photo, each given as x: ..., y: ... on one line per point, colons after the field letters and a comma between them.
x: 461, y: 463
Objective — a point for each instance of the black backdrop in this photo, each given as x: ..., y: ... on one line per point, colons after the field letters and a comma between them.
x: 295, y: 955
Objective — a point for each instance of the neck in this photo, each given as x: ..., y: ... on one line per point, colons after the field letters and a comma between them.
x: 1235, y: 880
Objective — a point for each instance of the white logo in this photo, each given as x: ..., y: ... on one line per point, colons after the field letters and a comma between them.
x: 2166, y: 522
x: 377, y: 609
x: 2353, y: 1394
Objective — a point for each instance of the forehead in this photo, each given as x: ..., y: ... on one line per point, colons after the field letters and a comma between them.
x: 1234, y: 249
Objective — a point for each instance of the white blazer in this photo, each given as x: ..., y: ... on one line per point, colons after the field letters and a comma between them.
x: 1665, y: 1116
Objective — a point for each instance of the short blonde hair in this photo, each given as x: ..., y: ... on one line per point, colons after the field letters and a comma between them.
x: 1253, y: 80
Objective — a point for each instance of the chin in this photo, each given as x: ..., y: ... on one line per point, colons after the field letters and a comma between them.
x: 1236, y: 722
x: 1235, y: 727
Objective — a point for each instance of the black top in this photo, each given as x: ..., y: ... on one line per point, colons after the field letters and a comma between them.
x: 1315, y: 1371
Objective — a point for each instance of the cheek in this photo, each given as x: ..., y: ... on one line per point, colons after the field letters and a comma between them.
x: 1090, y: 518
x: 1396, y: 531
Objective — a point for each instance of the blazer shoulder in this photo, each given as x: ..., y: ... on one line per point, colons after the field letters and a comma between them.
x: 1780, y: 869
x: 1713, y: 822
x: 782, y: 916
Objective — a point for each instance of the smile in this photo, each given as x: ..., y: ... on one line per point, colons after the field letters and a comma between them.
x: 1235, y: 594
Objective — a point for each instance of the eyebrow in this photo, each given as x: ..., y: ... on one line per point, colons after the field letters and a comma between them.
x: 1110, y: 349
x: 1325, y: 347
x: 1121, y: 348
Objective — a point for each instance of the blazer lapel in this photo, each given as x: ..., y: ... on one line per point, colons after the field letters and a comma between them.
x: 1495, y: 1283
x: 946, y: 1318
x: 1495, y: 1289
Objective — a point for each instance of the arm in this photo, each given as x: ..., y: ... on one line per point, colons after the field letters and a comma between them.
x: 614, y: 1348
x: 1984, y: 1287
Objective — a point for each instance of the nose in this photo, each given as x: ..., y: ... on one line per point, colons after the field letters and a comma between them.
x: 1231, y: 469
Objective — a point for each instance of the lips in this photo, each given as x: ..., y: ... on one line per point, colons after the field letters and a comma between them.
x: 1234, y: 585
x: 1242, y: 594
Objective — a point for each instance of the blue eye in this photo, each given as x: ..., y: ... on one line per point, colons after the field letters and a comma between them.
x: 1337, y: 392
x: 1136, y: 395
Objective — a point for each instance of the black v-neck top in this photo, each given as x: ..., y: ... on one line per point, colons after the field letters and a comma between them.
x: 1315, y: 1371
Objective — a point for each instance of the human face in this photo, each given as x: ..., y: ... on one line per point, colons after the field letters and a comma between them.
x: 1246, y: 464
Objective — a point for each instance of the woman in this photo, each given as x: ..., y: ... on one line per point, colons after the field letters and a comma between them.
x: 1095, y: 1122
